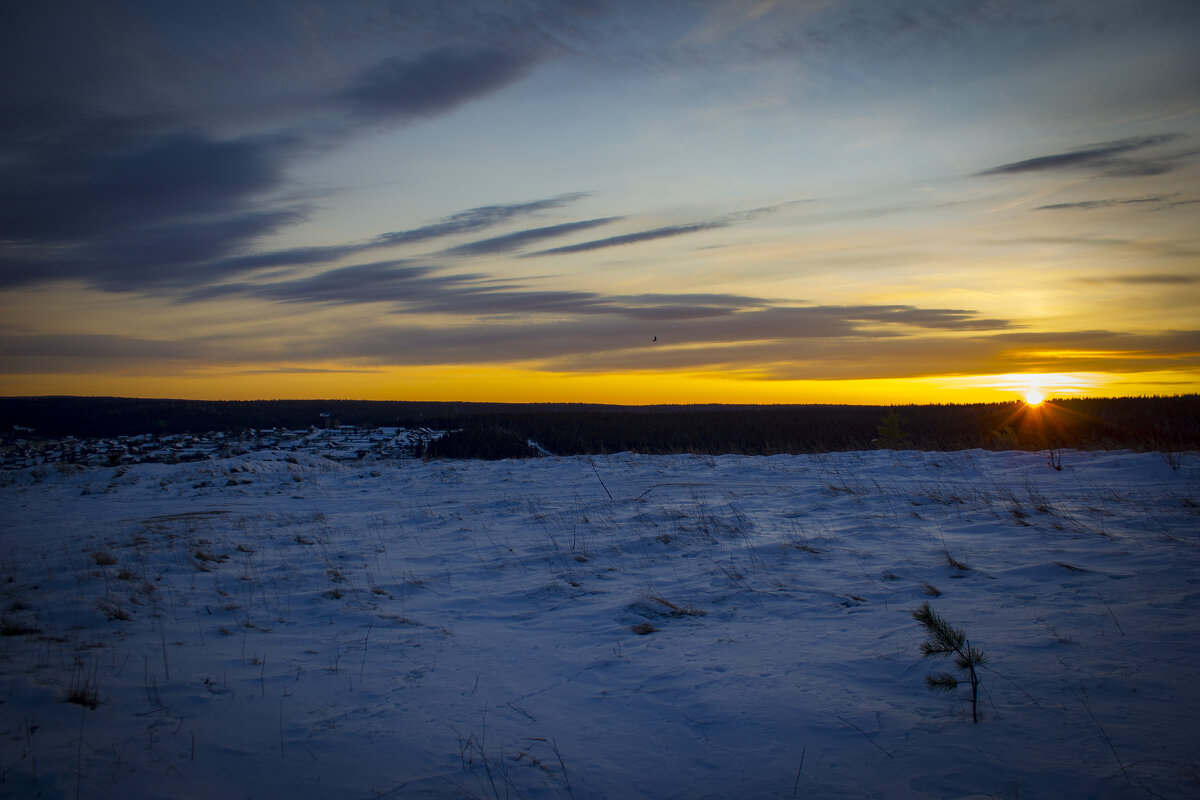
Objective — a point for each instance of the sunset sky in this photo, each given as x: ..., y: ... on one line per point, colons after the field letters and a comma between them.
x: 590, y: 201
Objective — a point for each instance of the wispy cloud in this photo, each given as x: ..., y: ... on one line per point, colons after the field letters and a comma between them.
x: 1114, y: 159
x: 1087, y: 205
x: 49, y: 352
x: 127, y: 201
x: 124, y: 202
x: 177, y: 242
x: 599, y: 344
x: 630, y: 238
x: 473, y: 220
x: 406, y: 287
x: 515, y: 241
x: 433, y: 82
x: 609, y: 337
x: 1159, y: 279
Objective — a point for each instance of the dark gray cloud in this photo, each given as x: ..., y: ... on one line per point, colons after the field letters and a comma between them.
x: 309, y: 371
x: 1088, y: 205
x: 631, y: 238
x: 515, y: 241
x: 368, y: 276
x: 98, y: 168
x: 134, y: 204
x: 433, y: 82
x: 1103, y: 351
x: 97, y: 346
x: 669, y: 231
x: 677, y: 307
x: 598, y: 344
x: 383, y: 281
x: 407, y: 287
x: 610, y: 338
x: 148, y: 259
x: 473, y: 220
x: 1114, y: 159
x: 128, y: 203
x: 198, y: 252
x: 132, y: 200
x: 76, y: 174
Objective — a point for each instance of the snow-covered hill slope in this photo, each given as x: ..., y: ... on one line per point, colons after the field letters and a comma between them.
x: 625, y: 626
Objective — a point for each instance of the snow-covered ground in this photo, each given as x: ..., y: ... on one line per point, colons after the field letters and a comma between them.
x: 280, y: 624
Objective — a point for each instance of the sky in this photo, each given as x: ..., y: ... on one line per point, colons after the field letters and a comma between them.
x: 711, y: 201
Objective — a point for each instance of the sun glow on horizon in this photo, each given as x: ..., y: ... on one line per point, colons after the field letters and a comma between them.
x: 527, y: 384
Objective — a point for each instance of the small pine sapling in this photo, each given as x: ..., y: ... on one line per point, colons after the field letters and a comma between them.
x: 891, y: 437
x: 945, y: 640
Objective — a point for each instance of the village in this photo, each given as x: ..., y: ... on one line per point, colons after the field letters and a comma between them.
x: 24, y: 447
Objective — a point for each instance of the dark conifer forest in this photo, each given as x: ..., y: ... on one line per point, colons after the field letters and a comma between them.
x: 503, y: 430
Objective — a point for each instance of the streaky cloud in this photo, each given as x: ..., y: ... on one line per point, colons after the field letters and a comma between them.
x: 101, y: 176
x: 1110, y: 158
x: 433, y: 82
x: 610, y: 338
x: 1087, y: 205
x: 474, y: 219
x: 189, y: 252
x: 99, y: 346
x: 630, y: 238
x: 1154, y: 279
x: 515, y: 241
x: 465, y: 221
x: 134, y: 202
x: 382, y: 281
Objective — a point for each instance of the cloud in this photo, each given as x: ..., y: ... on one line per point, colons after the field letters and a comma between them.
x: 383, y: 281
x: 369, y: 275
x: 515, y: 241
x: 630, y: 238
x: 407, y: 287
x: 310, y: 371
x: 78, y: 175
x: 131, y: 201
x: 1142, y: 248
x: 131, y: 204
x: 1087, y: 205
x: 1108, y: 158
x: 472, y: 220
x: 433, y: 82
x: 404, y: 287
x: 49, y: 353
x: 611, y: 336
x: 598, y: 344
x: 1161, y: 279
x: 199, y: 255
x: 149, y: 259
x: 724, y: 221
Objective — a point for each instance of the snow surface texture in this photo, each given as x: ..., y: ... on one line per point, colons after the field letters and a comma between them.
x: 280, y: 625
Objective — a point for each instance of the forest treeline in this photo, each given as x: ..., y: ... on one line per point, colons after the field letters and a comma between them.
x: 1138, y: 423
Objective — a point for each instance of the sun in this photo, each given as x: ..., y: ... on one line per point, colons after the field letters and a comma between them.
x: 1034, y: 397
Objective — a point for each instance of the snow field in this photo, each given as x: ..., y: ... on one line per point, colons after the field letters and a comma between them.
x: 621, y: 626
